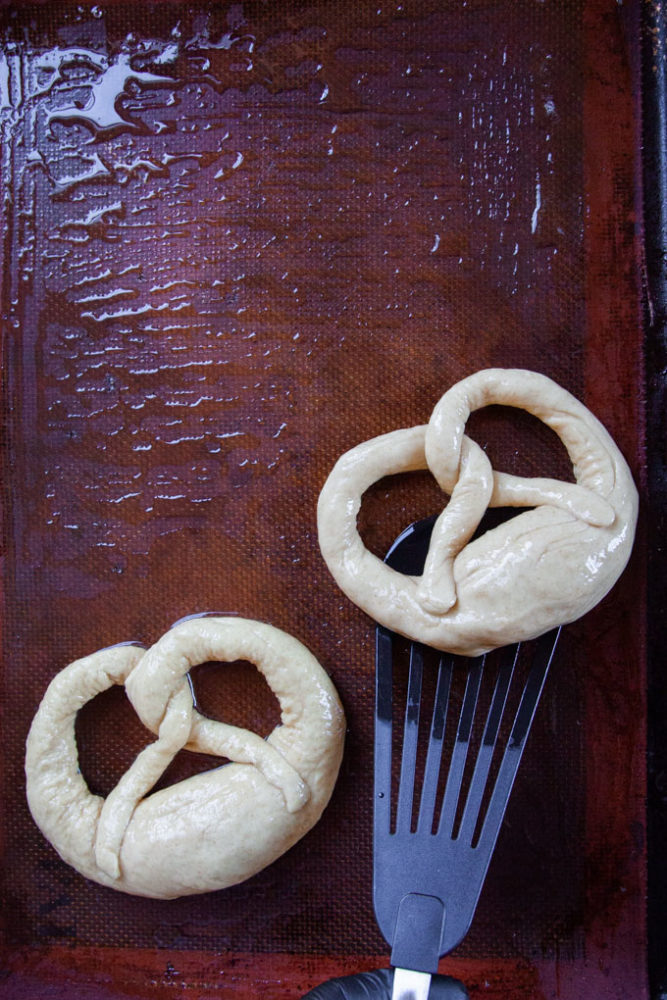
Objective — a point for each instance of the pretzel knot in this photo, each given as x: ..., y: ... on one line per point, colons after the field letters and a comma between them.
x: 544, y: 567
x: 215, y: 828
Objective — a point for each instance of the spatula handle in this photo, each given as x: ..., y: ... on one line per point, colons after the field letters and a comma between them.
x: 377, y: 985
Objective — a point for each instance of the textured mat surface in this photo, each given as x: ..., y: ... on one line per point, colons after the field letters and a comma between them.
x: 238, y: 240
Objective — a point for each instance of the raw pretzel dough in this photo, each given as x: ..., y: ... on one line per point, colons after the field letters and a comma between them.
x: 544, y: 567
x: 216, y: 828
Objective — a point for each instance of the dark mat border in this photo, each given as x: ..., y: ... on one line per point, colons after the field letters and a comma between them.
x: 654, y: 142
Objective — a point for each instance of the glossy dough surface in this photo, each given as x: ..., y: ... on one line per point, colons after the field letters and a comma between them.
x: 216, y: 828
x: 546, y: 566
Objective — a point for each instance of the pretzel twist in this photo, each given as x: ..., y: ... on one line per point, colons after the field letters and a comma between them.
x: 545, y: 567
x: 206, y: 832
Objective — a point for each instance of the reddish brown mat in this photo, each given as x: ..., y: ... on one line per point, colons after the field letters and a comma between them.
x: 238, y: 239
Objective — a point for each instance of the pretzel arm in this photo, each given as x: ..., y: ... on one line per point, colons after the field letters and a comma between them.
x: 244, y: 747
x: 582, y: 503
x: 138, y: 780
x: 454, y: 527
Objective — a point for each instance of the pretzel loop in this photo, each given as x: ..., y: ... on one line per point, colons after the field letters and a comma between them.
x: 215, y: 828
x: 462, y: 469
x: 160, y: 677
x: 547, y: 566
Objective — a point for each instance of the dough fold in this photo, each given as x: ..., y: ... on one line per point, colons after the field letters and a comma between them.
x: 544, y: 567
x: 216, y: 828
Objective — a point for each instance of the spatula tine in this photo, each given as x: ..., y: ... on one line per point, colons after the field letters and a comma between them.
x: 487, y: 747
x: 461, y: 747
x: 435, y: 743
x: 383, y: 729
x: 406, y: 786
x: 523, y: 719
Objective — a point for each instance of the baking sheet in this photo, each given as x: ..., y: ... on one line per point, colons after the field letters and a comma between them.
x: 238, y: 240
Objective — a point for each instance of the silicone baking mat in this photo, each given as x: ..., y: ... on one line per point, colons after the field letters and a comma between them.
x: 239, y: 238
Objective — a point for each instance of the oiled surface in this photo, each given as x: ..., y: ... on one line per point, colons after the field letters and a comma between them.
x: 238, y: 241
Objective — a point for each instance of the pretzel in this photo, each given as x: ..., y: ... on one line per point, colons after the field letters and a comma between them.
x: 544, y: 567
x: 216, y: 828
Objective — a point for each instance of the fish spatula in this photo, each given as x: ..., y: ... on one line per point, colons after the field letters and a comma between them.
x: 436, y: 826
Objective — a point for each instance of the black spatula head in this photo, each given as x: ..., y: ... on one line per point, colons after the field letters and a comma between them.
x: 442, y: 788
